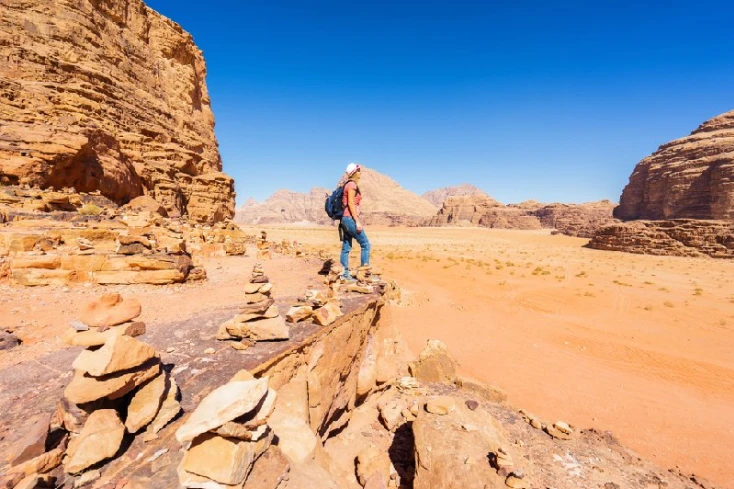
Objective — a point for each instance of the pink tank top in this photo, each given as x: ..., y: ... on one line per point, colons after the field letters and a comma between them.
x: 357, y: 198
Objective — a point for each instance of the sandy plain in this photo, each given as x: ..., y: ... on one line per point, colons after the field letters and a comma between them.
x: 642, y: 346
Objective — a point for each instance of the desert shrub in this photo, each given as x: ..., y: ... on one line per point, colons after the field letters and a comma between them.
x: 90, y: 210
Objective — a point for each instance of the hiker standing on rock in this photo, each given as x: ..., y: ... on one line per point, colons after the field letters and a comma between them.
x: 351, y: 226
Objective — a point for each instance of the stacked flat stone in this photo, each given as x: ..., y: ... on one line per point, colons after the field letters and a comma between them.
x: 263, y: 247
x: 259, y: 319
x: 315, y: 305
x: 117, y: 390
x: 227, y: 433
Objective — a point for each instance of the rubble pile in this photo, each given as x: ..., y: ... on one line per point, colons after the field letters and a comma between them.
x: 51, y: 237
x: 227, y: 433
x: 259, y: 318
x: 317, y: 306
x: 119, y: 388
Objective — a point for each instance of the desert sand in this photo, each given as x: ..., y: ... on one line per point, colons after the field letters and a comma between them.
x: 639, y: 345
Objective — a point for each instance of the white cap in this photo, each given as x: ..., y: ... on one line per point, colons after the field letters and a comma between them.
x: 353, y: 167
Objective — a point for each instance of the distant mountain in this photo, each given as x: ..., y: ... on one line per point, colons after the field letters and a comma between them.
x: 384, y: 202
x: 285, y: 206
x: 438, y: 196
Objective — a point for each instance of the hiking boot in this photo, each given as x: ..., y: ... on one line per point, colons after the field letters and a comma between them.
x: 348, y: 279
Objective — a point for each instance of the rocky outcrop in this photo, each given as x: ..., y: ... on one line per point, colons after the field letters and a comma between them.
x: 680, y: 237
x: 63, y: 237
x: 465, y: 210
x: 581, y: 220
x: 385, y: 203
x: 438, y: 196
x: 286, y: 206
x: 572, y: 219
x: 108, y: 97
x: 691, y: 177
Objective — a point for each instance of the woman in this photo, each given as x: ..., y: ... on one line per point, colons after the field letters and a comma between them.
x: 351, y: 222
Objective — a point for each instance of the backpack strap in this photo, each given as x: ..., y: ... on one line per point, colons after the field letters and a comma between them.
x: 355, y: 184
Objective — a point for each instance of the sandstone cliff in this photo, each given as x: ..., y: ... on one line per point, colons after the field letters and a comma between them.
x: 691, y: 177
x: 438, y: 196
x: 679, y: 237
x: 385, y: 203
x: 109, y: 97
x: 572, y: 219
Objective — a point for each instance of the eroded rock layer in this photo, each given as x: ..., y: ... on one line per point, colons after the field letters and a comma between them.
x: 680, y: 237
x: 691, y: 177
x: 109, y: 97
x: 580, y: 220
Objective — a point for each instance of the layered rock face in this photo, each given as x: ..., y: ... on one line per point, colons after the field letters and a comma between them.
x: 679, y: 237
x: 109, y: 97
x: 691, y: 177
x: 580, y: 220
x: 438, y: 196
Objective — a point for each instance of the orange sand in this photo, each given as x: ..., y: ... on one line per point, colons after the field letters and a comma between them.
x: 642, y: 346
x: 639, y: 345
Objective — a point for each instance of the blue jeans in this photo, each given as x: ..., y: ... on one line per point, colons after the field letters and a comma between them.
x: 349, y: 232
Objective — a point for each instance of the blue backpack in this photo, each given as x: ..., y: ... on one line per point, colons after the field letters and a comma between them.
x: 333, y: 205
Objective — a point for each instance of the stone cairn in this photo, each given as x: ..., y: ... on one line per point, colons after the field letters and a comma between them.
x: 367, y: 278
x: 322, y: 308
x: 118, y: 389
x: 227, y: 433
x: 259, y: 319
x: 263, y: 246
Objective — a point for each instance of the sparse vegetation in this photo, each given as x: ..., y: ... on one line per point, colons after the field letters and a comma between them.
x: 90, y: 210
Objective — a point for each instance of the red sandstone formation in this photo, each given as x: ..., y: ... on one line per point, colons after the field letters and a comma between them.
x: 572, y: 219
x: 679, y: 237
x: 691, y: 177
x: 109, y: 97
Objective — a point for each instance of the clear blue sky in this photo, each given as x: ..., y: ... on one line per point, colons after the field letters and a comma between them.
x: 552, y: 101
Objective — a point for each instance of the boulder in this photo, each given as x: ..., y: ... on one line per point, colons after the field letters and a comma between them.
x: 223, y: 404
x: 298, y: 313
x: 269, y: 470
x: 8, y: 340
x: 434, y: 364
x: 272, y: 329
x: 85, y: 388
x: 110, y: 310
x: 98, y: 338
x: 145, y: 403
x: 100, y: 439
x: 33, y: 442
x: 371, y: 461
x: 222, y: 459
x: 117, y: 354
x: 443, y: 446
x: 169, y: 409
x: 327, y: 314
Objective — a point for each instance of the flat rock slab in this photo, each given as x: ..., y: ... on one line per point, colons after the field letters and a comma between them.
x: 35, y: 387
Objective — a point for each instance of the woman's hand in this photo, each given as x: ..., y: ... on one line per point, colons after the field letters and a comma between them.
x: 359, y: 226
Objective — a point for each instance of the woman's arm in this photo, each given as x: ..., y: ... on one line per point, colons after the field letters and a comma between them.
x: 353, y: 208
